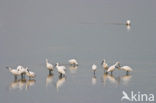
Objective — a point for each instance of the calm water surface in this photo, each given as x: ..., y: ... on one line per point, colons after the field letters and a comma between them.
x: 31, y: 31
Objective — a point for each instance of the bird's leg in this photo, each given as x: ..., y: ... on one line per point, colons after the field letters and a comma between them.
x: 15, y: 77
x: 127, y: 73
x: 111, y: 72
x: 49, y: 72
x: 22, y: 76
x: 106, y: 72
x: 94, y: 72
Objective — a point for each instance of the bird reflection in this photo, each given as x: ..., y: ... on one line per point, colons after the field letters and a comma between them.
x: 128, y: 27
x: 109, y: 77
x: 73, y: 69
x: 30, y: 83
x: 94, y: 80
x: 21, y: 84
x: 49, y: 79
x: 125, y: 79
x: 60, y: 82
x: 14, y: 84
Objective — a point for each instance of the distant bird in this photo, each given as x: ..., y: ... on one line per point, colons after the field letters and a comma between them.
x: 61, y: 69
x: 94, y: 68
x: 30, y: 74
x: 126, y: 68
x: 22, y: 70
x: 128, y: 22
x: 112, y: 68
x: 104, y: 64
x: 73, y: 62
x: 14, y: 72
x: 49, y: 66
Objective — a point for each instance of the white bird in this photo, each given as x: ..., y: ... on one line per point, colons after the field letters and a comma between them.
x: 30, y: 74
x: 22, y: 70
x: 126, y: 68
x: 94, y: 68
x: 60, y: 69
x: 128, y: 22
x: 104, y: 64
x: 112, y: 68
x: 49, y: 66
x: 14, y: 72
x: 73, y: 62
x: 125, y: 96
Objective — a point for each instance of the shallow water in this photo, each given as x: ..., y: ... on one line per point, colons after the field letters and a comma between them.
x: 31, y: 31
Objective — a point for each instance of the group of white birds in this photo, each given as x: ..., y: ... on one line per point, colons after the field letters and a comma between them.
x: 20, y: 70
x: 61, y: 69
x: 112, y: 67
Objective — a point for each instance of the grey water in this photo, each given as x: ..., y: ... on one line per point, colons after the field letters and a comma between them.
x: 33, y: 30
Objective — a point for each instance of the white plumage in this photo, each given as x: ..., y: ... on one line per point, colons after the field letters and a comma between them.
x: 128, y: 22
x: 60, y: 69
x: 104, y: 64
x: 73, y: 62
x: 112, y: 68
x: 15, y: 72
x: 30, y: 74
x: 49, y: 65
x: 126, y: 68
x: 94, y: 67
x: 22, y: 70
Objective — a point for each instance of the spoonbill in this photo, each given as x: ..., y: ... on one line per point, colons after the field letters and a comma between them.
x: 60, y: 69
x: 126, y: 68
x: 104, y: 64
x: 49, y: 66
x: 30, y: 74
x: 128, y: 22
x: 112, y: 68
x: 94, y: 68
x: 14, y: 72
x: 73, y: 62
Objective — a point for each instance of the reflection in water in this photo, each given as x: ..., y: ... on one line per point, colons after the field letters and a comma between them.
x: 125, y: 79
x: 73, y: 69
x: 22, y: 84
x: 128, y: 27
x: 94, y: 80
x: 14, y: 84
x: 60, y: 82
x: 110, y: 78
x: 30, y: 83
x: 49, y: 79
